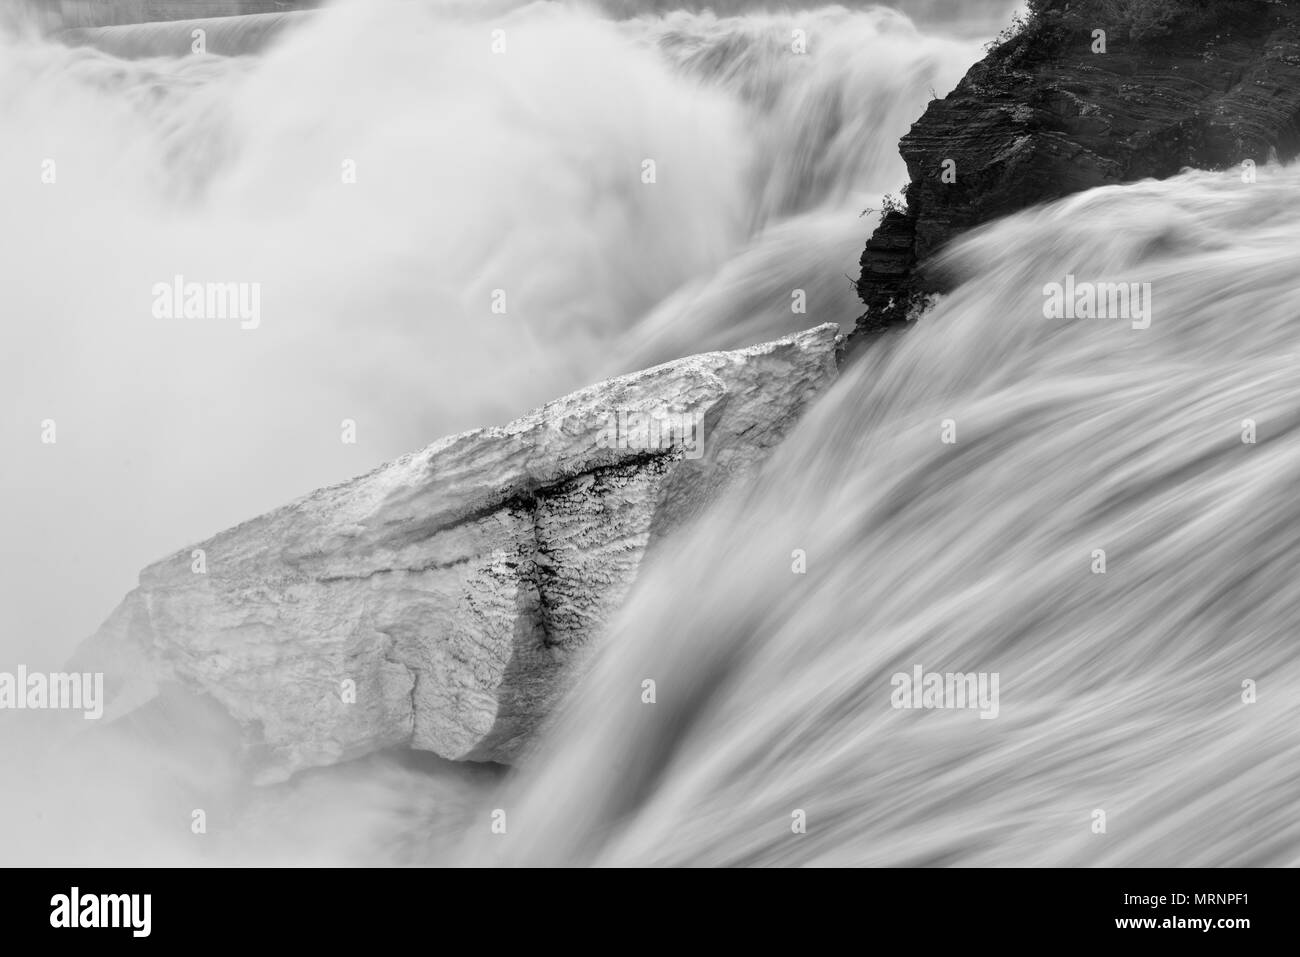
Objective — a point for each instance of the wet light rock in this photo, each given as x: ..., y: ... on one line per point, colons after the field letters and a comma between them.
x: 438, y: 601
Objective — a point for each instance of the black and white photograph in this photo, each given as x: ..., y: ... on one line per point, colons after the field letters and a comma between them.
x: 651, y: 434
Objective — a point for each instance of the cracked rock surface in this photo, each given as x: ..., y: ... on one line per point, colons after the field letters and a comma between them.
x: 437, y: 602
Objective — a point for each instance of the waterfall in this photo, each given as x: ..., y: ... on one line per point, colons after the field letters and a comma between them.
x: 1096, y: 510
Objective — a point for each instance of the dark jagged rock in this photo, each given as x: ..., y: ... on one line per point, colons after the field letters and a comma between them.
x: 1181, y: 84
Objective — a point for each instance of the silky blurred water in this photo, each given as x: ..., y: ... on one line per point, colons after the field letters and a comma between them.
x: 1163, y: 692
x: 522, y: 172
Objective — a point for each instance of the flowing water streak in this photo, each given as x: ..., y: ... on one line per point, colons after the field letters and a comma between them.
x: 1119, y: 692
x: 475, y: 172
x: 223, y: 36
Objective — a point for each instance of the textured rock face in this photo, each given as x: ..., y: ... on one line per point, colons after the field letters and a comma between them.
x: 1043, y: 116
x: 452, y: 586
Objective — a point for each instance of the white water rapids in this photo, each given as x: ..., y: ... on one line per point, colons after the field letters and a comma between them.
x: 477, y: 172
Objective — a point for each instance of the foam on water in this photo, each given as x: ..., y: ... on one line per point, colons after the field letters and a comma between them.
x: 1120, y: 692
x: 478, y: 172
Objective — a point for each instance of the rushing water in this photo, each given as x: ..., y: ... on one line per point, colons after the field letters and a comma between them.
x: 475, y: 172
x: 1120, y: 691
x: 522, y: 172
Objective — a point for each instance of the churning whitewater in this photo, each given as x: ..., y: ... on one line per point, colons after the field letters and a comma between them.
x: 947, y: 499
x: 481, y: 181
x: 1174, y: 450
